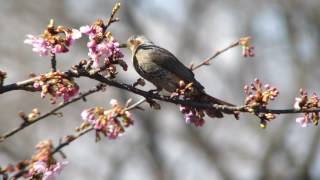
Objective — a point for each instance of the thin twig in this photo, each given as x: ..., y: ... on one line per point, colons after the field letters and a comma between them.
x: 135, y: 105
x: 26, y: 124
x: 207, y: 61
x: 53, y: 62
x: 69, y: 140
x: 111, y: 18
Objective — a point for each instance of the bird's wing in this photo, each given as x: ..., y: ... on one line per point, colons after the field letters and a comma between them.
x: 167, y: 60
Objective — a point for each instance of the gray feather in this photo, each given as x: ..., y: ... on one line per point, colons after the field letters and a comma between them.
x: 168, y: 61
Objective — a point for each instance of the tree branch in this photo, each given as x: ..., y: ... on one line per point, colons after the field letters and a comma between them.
x: 69, y: 139
x: 201, y: 104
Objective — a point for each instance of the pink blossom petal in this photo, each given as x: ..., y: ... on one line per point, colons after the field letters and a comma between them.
x: 30, y: 39
x: 85, y: 114
x: 95, y: 63
x: 60, y: 166
x: 40, y: 46
x: 40, y: 166
x: 300, y: 120
x: 49, y: 175
x: 303, y: 121
x: 116, y: 44
x: 57, y: 49
x: 76, y: 34
x: 296, y: 105
x: 113, y: 102
x: 36, y: 85
x: 85, y: 29
x: 92, y: 44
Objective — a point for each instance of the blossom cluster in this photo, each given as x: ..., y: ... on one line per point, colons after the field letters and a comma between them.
x: 247, y: 49
x: 258, y: 96
x: 41, y: 166
x: 193, y: 115
x: 56, y: 84
x: 103, y: 47
x: 53, y: 40
x: 111, y: 123
x: 303, y: 102
x: 43, y: 163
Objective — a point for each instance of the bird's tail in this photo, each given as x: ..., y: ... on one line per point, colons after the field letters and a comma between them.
x: 214, y: 112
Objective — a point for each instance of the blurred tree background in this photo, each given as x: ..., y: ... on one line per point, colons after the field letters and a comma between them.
x: 286, y: 35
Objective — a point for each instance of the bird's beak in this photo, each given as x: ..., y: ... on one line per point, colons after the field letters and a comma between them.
x: 124, y: 45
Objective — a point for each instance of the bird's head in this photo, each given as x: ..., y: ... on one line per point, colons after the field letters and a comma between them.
x: 135, y: 40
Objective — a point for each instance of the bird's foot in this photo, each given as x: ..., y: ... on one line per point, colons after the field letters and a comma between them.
x: 154, y: 91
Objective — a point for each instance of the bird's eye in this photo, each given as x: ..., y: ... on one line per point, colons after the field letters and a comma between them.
x: 131, y: 41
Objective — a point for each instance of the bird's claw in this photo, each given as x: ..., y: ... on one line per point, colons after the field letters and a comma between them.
x: 154, y: 91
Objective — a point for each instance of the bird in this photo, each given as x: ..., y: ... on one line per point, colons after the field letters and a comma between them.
x: 160, y: 67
